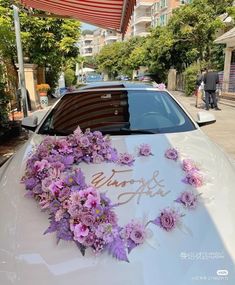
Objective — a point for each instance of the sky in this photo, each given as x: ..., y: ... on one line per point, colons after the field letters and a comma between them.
x: 88, y: 27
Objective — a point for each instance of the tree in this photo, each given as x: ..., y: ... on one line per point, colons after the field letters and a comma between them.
x: 121, y: 57
x: 188, y: 37
x: 220, y: 6
x: 48, y: 42
x: 56, y: 43
x: 110, y: 59
x: 194, y: 27
x: 158, y: 51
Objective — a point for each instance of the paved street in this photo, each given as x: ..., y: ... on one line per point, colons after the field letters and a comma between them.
x: 223, y: 131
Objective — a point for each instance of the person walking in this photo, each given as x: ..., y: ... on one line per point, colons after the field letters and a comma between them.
x: 199, y: 88
x: 211, y: 79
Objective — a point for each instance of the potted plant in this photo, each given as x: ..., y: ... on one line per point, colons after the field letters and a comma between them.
x: 42, y: 89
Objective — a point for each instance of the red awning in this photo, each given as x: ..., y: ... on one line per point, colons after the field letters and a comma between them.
x: 108, y: 14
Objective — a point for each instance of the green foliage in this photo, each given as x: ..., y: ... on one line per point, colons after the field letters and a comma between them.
x: 7, y: 36
x: 193, y: 28
x: 190, y: 75
x: 220, y: 6
x: 48, y: 42
x: 121, y: 57
x: 110, y: 59
x: 231, y: 12
x: 188, y: 38
x: 90, y: 61
x: 69, y: 76
x: 4, y: 100
x: 159, y: 51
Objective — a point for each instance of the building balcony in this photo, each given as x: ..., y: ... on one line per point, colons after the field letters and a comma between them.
x: 87, y: 37
x: 140, y: 4
x: 111, y: 38
x: 88, y: 54
x: 88, y: 45
x: 142, y: 32
x: 141, y: 19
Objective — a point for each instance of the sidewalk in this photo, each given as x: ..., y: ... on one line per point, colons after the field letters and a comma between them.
x: 10, y: 146
x: 223, y: 131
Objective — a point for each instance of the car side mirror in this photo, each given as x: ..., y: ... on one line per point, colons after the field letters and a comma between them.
x: 205, y: 118
x: 30, y: 123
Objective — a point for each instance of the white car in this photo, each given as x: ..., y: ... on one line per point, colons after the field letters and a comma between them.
x: 153, y: 203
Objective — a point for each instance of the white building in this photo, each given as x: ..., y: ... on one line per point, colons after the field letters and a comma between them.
x: 141, y: 19
x: 111, y: 37
x: 86, y: 45
x: 161, y: 11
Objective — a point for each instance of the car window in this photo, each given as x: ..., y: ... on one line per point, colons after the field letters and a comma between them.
x: 117, y: 112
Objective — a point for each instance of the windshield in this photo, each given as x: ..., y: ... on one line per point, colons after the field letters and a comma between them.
x: 117, y: 112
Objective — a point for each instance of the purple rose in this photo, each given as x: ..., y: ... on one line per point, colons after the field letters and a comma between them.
x: 167, y: 219
x: 138, y: 236
x: 188, y: 199
x: 126, y: 159
x: 194, y: 178
x: 189, y: 165
x: 145, y: 150
x: 172, y: 153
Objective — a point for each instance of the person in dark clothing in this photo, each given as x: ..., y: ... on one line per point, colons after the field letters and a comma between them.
x: 211, y: 79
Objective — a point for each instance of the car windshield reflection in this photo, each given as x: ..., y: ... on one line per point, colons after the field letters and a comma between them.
x: 117, y: 112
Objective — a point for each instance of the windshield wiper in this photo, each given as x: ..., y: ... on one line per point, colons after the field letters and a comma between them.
x: 125, y: 131
x: 137, y: 131
x: 52, y: 132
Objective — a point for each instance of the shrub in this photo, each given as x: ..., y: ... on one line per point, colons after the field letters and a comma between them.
x: 69, y: 77
x: 4, y: 100
x: 191, y: 74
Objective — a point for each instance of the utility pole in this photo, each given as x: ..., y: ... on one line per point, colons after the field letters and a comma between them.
x: 20, y: 61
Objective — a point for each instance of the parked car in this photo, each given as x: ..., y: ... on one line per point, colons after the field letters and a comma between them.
x: 166, y: 212
x: 93, y: 77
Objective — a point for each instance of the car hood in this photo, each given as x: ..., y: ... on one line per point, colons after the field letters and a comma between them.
x: 202, y: 247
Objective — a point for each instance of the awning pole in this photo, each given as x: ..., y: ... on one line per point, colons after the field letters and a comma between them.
x: 20, y: 60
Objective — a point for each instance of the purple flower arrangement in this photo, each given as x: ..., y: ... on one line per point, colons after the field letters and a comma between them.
x: 79, y: 212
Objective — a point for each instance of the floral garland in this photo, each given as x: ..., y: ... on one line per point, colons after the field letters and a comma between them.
x: 79, y: 212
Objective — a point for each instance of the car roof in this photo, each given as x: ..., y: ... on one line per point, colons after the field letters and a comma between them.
x: 115, y: 84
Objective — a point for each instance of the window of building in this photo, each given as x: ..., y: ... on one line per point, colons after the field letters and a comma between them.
x: 163, y: 3
x: 163, y: 20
